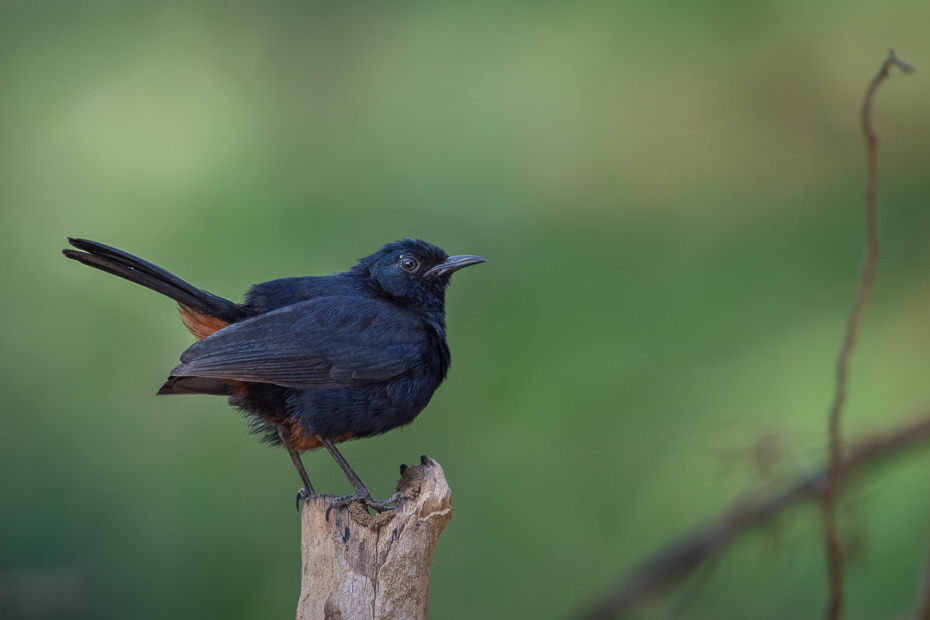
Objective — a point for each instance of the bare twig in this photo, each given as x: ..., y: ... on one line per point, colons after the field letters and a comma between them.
x: 684, y: 556
x: 834, y: 551
x: 923, y: 602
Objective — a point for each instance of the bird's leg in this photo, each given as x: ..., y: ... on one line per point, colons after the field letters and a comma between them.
x: 306, y: 492
x: 361, y: 491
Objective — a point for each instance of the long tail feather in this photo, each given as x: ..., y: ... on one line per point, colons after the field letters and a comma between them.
x: 134, y: 269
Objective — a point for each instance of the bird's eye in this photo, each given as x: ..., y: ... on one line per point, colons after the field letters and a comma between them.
x: 409, y: 264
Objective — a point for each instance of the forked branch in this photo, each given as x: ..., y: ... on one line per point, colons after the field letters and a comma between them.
x: 691, y: 551
x: 834, y: 551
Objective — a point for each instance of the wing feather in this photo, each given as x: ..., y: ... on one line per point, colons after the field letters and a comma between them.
x: 324, y: 342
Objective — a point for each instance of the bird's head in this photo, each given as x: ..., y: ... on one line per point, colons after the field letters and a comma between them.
x: 414, y: 271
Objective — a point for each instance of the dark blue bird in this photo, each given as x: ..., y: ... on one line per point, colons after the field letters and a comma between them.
x: 314, y: 360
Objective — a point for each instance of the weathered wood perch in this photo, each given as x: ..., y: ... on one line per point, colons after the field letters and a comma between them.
x: 357, y: 566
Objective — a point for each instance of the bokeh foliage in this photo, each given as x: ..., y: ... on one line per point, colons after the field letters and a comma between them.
x: 669, y: 196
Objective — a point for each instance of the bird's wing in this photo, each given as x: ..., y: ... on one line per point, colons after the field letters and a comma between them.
x: 326, y: 342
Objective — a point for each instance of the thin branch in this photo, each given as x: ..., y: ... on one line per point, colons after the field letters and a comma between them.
x: 834, y: 551
x: 923, y: 602
x: 684, y: 556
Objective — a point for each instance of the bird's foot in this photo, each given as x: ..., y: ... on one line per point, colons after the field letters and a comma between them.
x: 361, y: 494
x: 302, y: 496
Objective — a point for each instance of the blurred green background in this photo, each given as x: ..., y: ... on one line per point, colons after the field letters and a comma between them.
x: 669, y: 196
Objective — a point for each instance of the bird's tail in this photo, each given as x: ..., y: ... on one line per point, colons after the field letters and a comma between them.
x: 202, y: 311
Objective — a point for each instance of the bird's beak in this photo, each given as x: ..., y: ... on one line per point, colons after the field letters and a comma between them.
x: 454, y: 263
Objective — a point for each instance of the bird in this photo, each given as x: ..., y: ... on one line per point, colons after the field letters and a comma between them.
x: 313, y: 360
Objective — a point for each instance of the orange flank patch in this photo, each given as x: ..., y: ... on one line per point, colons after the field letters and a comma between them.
x: 199, y: 324
x: 239, y: 389
x: 299, y: 440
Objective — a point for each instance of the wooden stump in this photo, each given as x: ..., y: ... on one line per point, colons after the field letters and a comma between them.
x: 362, y: 567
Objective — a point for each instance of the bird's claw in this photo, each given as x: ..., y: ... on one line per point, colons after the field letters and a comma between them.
x: 361, y: 494
x: 302, y: 495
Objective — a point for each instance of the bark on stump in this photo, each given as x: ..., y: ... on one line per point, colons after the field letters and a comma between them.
x: 362, y: 567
